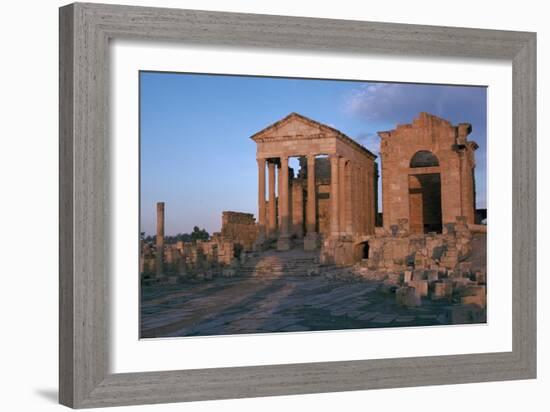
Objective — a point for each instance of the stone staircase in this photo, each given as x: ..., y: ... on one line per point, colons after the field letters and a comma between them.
x: 271, y: 265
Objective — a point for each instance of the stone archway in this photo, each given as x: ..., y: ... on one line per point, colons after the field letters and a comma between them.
x: 424, y: 158
x: 425, y: 213
x: 361, y: 251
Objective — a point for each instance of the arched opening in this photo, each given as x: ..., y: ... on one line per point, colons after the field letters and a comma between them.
x: 424, y: 158
x: 365, y: 250
x: 362, y: 251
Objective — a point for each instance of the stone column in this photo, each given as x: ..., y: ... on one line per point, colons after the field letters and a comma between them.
x: 272, y: 211
x: 368, y: 187
x: 284, y: 238
x: 356, y: 199
x: 334, y: 193
x: 342, y: 195
x: 362, y: 203
x: 311, y: 239
x: 348, y: 204
x: 297, y: 208
x: 372, y: 198
x: 159, y: 254
x: 279, y: 197
x: 261, y: 201
x: 467, y: 186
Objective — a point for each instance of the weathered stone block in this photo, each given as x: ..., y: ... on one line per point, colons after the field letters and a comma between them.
x: 283, y: 243
x: 454, y: 274
x: 421, y: 287
x: 442, y: 290
x: 419, y: 274
x: 465, y: 266
x: 433, y: 275
x: 474, y: 294
x: 480, y: 277
x: 407, y: 296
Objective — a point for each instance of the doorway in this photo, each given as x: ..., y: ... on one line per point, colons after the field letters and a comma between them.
x: 425, y: 213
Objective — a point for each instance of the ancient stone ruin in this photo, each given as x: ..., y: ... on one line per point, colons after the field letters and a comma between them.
x: 240, y: 228
x: 337, y: 184
x: 328, y: 209
x: 428, y: 174
x: 202, y: 259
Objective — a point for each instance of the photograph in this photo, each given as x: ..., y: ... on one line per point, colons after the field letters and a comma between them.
x: 277, y: 205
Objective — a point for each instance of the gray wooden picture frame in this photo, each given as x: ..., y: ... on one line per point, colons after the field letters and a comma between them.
x: 85, y: 31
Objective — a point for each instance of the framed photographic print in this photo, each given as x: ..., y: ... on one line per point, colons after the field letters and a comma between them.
x: 258, y: 205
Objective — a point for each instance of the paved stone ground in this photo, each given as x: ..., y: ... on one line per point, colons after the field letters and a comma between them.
x: 250, y: 305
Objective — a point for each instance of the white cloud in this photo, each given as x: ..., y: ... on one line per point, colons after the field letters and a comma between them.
x: 400, y: 103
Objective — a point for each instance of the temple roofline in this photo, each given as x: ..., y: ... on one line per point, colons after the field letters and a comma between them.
x: 339, y: 134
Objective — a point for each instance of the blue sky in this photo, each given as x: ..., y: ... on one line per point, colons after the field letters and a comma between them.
x: 197, y: 157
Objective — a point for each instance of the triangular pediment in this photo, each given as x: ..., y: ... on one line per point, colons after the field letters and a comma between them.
x: 294, y: 126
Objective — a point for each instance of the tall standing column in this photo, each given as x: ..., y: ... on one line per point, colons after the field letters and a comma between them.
x: 334, y: 192
x: 356, y: 198
x: 284, y: 238
x: 279, y: 197
x: 342, y: 195
x: 261, y: 201
x: 374, y: 197
x: 361, y: 202
x: 467, y: 187
x: 311, y: 239
x: 272, y: 212
x: 159, y: 253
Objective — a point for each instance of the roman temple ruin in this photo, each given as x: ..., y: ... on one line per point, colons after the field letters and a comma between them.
x: 321, y: 216
x: 333, y: 196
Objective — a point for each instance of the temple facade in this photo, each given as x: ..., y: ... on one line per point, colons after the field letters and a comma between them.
x: 332, y: 195
x: 427, y: 174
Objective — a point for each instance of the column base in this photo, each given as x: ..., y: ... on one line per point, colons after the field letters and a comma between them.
x: 311, y: 242
x: 259, y: 244
x: 284, y: 243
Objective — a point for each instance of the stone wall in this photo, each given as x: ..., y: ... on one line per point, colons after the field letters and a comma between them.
x: 240, y: 228
x: 187, y: 258
x: 399, y: 249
